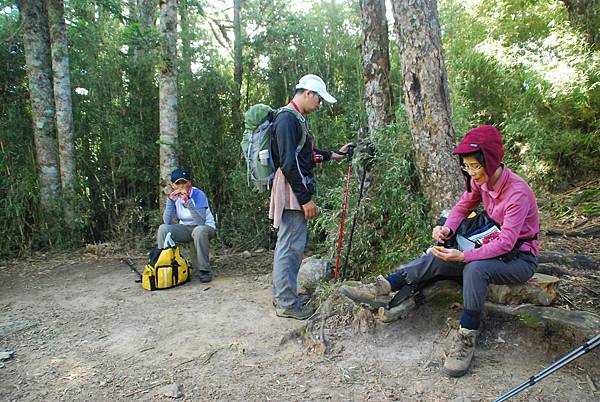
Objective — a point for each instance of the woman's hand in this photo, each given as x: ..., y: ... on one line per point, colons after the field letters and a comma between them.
x: 173, y: 195
x: 448, y: 254
x: 441, y: 233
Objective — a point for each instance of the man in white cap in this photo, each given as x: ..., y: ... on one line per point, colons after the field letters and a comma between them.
x: 295, y: 156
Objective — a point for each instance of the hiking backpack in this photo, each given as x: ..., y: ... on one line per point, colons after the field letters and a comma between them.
x: 256, y: 144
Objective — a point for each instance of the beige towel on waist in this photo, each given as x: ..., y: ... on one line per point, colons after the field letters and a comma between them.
x: 282, y: 197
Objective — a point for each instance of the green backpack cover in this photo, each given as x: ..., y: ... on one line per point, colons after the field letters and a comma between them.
x: 256, y: 144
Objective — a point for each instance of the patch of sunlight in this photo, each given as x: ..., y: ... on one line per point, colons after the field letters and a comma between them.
x: 263, y: 61
x: 557, y: 59
x: 538, y: 168
x: 81, y: 91
x: 471, y: 6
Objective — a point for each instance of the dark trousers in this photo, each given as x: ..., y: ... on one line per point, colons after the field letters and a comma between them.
x: 476, y: 275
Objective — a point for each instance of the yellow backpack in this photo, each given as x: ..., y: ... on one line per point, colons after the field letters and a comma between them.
x: 167, y: 268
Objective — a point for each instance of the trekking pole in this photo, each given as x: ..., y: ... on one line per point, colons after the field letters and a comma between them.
x: 339, y: 245
x: 368, y: 161
x: 132, y: 267
x: 583, y: 349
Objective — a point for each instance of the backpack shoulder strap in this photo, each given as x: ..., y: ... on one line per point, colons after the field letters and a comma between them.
x: 302, y: 121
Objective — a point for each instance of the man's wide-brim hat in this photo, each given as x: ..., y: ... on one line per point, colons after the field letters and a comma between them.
x: 314, y: 83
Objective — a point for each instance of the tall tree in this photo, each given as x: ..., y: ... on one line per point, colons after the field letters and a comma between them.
x: 63, y: 104
x: 585, y: 14
x: 34, y: 24
x: 237, y: 70
x: 427, y: 101
x: 376, y: 64
x: 167, y: 94
x: 186, y: 50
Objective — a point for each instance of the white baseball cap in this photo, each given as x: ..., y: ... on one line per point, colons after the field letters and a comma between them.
x: 315, y: 83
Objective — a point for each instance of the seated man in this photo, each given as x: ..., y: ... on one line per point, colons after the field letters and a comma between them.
x: 189, y: 206
x: 507, y: 257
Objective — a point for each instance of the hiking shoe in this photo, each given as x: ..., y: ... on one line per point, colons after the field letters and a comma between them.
x: 299, y: 314
x: 303, y: 298
x: 205, y: 276
x: 459, y: 359
x: 368, y: 293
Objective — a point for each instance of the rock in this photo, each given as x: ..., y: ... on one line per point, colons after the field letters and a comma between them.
x: 540, y: 290
x: 259, y: 250
x: 5, y: 355
x: 9, y: 327
x: 442, y: 293
x: 313, y: 270
x: 246, y: 254
x: 171, y: 391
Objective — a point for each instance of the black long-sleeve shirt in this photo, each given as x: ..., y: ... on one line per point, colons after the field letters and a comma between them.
x: 286, y: 135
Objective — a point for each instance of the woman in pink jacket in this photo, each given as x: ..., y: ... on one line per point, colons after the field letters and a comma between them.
x: 508, y: 256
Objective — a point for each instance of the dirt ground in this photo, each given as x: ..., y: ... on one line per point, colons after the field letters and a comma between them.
x: 83, y: 330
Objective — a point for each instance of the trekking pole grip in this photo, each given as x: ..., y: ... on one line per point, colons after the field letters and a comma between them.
x: 350, y: 151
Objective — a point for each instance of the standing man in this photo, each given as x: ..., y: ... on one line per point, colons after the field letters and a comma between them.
x: 291, y: 205
x: 188, y: 218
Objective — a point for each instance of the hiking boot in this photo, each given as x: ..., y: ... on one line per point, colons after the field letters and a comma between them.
x: 205, y: 276
x: 368, y: 293
x: 303, y: 298
x: 459, y: 359
x: 299, y: 314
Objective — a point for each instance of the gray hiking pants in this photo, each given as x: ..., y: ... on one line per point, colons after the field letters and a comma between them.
x: 477, y: 275
x: 200, y: 235
x: 291, y: 240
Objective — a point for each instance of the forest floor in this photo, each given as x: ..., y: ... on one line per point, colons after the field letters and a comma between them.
x: 83, y: 330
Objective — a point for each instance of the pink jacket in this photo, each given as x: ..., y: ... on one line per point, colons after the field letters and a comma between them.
x: 512, y: 204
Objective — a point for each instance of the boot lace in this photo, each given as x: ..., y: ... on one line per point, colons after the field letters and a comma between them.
x: 461, y: 346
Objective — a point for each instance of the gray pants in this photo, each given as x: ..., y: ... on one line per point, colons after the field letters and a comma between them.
x: 291, y: 240
x: 477, y: 275
x: 200, y: 235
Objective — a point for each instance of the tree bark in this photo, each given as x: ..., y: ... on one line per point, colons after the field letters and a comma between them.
x: 238, y: 66
x: 63, y: 104
x: 34, y: 23
x: 376, y: 64
x: 427, y: 101
x: 585, y: 14
x: 168, y: 94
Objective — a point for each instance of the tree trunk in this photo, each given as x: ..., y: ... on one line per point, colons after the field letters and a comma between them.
x: 34, y: 23
x: 186, y: 50
x: 376, y: 64
x: 427, y: 101
x: 62, y: 102
x: 238, y: 67
x: 167, y: 94
x: 585, y: 14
